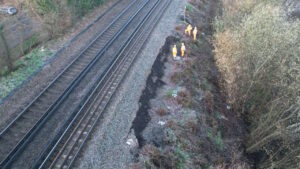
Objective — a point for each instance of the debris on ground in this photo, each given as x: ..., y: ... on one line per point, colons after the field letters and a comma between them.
x: 8, y: 10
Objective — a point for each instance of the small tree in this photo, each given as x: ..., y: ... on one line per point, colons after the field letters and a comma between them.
x: 8, y: 59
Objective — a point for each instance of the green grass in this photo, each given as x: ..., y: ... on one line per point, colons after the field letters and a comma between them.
x: 46, y: 6
x: 217, y: 140
x: 182, y: 157
x: 25, y: 67
x: 189, y: 8
x: 169, y: 93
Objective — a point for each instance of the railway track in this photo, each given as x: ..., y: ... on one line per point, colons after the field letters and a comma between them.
x: 62, y: 152
x: 15, y: 136
x: 65, y: 150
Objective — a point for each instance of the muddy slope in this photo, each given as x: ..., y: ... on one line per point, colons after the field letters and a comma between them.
x: 188, y: 123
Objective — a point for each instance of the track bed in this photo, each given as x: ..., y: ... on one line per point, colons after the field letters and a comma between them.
x: 54, y: 126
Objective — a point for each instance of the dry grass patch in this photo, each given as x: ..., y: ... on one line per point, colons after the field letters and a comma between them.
x: 176, y: 77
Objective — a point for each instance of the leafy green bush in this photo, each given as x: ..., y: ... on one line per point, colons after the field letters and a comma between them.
x: 257, y: 51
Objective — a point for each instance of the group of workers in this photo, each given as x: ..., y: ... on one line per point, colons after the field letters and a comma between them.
x: 188, y: 31
x: 174, y: 51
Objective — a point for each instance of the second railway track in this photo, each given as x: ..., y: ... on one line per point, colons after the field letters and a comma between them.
x: 19, y: 132
x: 65, y: 150
x: 15, y: 135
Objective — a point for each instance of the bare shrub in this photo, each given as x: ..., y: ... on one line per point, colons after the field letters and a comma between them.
x: 176, y: 77
x: 191, y: 125
x: 184, y: 98
x: 58, y: 15
x: 56, y: 23
x: 234, y: 11
x: 209, y: 101
x: 162, y: 112
x: 257, y: 51
x: 8, y: 59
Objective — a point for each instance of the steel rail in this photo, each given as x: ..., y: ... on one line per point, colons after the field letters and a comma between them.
x: 67, y: 44
x: 99, y: 115
x: 53, y: 81
x: 122, y: 65
x: 100, y: 78
x: 21, y: 144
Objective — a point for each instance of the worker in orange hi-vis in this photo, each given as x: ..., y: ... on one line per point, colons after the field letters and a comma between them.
x: 182, y: 49
x: 186, y: 31
x: 174, y: 51
x: 195, y: 33
x: 189, y: 30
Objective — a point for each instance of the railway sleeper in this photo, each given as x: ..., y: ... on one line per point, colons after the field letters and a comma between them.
x: 78, y: 67
x: 39, y: 106
x: 100, y: 44
x: 67, y: 77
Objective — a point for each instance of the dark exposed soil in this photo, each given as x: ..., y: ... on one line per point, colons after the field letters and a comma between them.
x: 35, y: 84
x: 153, y: 83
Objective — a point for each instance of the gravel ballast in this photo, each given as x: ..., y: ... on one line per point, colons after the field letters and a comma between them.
x: 107, y: 147
x: 40, y: 141
x: 19, y: 99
